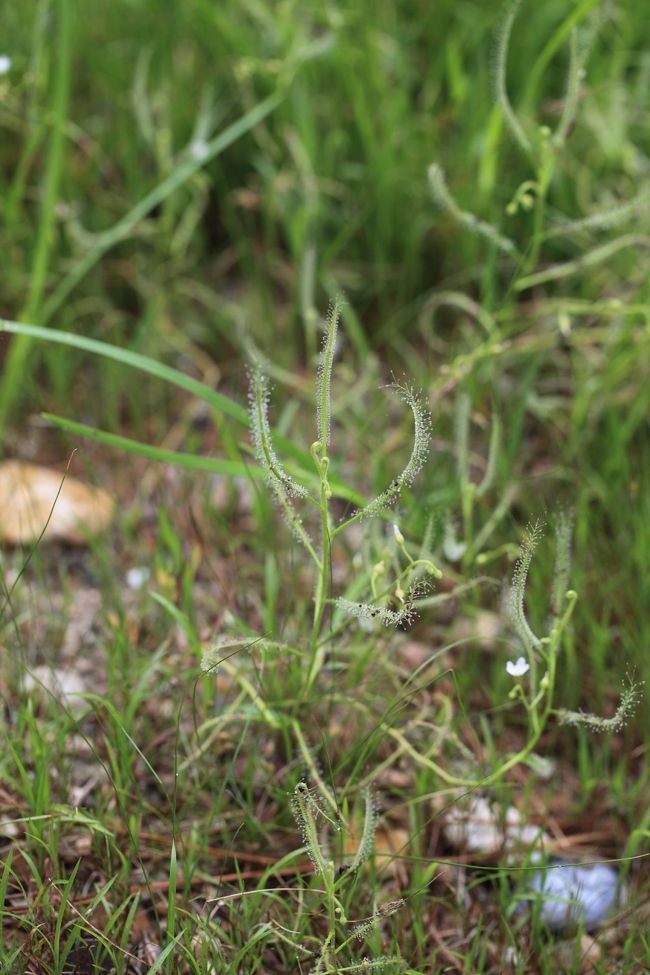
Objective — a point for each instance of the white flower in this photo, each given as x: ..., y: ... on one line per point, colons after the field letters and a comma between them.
x: 399, y: 538
x: 5, y: 63
x: 518, y: 667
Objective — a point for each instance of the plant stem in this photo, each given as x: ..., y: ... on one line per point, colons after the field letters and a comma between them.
x: 544, y: 176
x: 322, y: 590
x: 322, y: 586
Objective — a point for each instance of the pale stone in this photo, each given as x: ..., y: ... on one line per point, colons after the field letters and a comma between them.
x: 37, y: 501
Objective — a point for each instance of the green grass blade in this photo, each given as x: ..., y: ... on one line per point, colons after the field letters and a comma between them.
x: 136, y: 361
x: 13, y: 369
x: 196, y: 462
x: 590, y: 258
x: 162, y: 957
x: 171, y: 898
x: 177, y: 378
x: 4, y: 886
x: 560, y: 35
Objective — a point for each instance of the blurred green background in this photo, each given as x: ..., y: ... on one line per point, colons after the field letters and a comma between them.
x: 328, y: 192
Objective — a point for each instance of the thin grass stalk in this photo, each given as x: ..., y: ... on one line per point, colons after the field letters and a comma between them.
x: 14, y: 368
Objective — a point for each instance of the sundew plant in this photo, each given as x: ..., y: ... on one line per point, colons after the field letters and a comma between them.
x: 288, y: 492
x: 395, y: 604
x: 533, y: 667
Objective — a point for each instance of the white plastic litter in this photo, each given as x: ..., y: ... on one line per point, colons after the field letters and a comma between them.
x: 571, y: 894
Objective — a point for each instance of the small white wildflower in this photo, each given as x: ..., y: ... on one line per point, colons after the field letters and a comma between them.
x: 5, y: 63
x: 518, y: 667
x: 399, y: 538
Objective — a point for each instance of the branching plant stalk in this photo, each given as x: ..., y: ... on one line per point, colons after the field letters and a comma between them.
x: 278, y: 478
x: 286, y: 489
x: 545, y: 170
x: 322, y: 586
x: 321, y: 459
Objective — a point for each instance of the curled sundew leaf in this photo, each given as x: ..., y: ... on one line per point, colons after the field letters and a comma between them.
x: 421, y: 433
x: 492, y: 458
x: 221, y: 651
x: 284, y: 487
x: 305, y: 810
x: 515, y: 601
x: 500, y: 66
x: 461, y: 436
x: 259, y: 396
x: 376, y: 964
x: 588, y: 259
x: 419, y: 452
x: 388, y: 617
x: 325, y: 363
x: 367, y: 840
x: 575, y: 76
x: 363, y: 928
x: 605, y: 219
x: 442, y: 196
x: 627, y: 704
x: 403, y: 616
